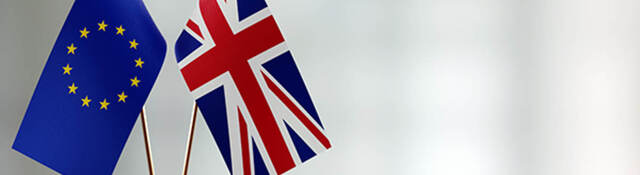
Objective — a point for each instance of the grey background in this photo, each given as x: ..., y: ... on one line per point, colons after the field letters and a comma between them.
x: 439, y: 87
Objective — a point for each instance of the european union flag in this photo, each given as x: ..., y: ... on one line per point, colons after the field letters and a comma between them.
x: 96, y: 80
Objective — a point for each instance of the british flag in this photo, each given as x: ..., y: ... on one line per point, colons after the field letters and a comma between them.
x: 248, y: 87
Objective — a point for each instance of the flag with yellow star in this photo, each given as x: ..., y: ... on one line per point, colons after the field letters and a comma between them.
x: 95, y: 82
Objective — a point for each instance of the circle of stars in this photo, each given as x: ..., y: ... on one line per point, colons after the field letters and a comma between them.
x: 71, y: 51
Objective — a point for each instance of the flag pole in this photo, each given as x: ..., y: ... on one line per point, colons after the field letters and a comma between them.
x: 147, y: 143
x: 190, y: 141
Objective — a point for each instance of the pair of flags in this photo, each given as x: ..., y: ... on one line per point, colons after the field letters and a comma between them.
x: 234, y: 61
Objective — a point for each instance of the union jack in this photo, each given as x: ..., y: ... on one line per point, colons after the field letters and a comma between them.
x: 248, y: 87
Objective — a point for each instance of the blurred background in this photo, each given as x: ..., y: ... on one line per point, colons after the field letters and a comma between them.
x: 438, y: 87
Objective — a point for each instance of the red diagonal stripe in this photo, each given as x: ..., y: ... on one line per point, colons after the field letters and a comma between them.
x: 298, y: 113
x: 246, y: 158
x: 194, y: 27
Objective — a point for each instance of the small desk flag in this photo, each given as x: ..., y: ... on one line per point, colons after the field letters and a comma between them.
x: 93, y: 86
x: 248, y: 88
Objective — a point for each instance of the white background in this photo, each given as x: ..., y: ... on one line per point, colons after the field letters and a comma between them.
x: 438, y: 87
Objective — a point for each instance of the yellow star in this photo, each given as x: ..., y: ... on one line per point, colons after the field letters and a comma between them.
x: 72, y: 88
x: 67, y: 70
x: 134, y: 44
x: 134, y: 81
x: 120, y: 30
x: 122, y: 97
x: 102, y: 26
x: 104, y: 104
x: 85, y: 101
x: 84, y: 32
x: 72, y: 49
x: 139, y: 62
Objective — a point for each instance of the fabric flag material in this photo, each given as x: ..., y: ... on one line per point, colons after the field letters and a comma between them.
x: 97, y: 78
x: 248, y: 88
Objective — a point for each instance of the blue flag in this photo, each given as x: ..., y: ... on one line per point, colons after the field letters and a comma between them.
x: 96, y: 80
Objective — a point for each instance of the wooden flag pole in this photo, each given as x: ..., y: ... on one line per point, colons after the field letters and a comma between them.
x: 190, y: 141
x: 147, y: 143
